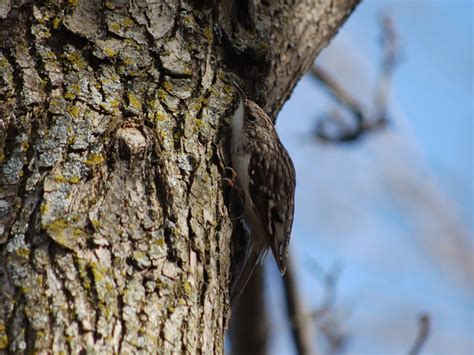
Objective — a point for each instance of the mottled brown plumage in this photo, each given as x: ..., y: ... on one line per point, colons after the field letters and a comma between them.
x: 266, y: 176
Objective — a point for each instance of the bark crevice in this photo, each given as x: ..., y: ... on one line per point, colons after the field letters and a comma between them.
x: 115, y: 231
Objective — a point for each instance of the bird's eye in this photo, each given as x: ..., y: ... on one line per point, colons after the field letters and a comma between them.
x: 250, y: 118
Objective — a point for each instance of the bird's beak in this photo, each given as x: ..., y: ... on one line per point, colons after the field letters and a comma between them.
x: 240, y: 91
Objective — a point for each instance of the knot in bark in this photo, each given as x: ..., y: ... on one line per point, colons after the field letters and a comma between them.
x: 131, y: 143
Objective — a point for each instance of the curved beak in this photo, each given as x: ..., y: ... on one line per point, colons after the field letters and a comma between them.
x: 240, y: 91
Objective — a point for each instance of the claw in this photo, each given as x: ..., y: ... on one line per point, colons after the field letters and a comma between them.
x: 232, y: 173
x: 234, y: 186
x: 231, y: 180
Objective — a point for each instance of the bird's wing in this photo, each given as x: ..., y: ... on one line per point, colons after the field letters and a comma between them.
x: 272, y: 188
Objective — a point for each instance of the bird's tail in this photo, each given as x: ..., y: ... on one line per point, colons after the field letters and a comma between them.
x: 254, y: 255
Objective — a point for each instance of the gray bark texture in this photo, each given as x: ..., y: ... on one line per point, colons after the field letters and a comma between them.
x: 115, y: 232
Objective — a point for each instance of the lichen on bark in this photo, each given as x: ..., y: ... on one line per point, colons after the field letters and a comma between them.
x: 112, y: 203
x: 115, y: 235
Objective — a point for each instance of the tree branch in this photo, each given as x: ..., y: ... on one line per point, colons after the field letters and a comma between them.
x: 423, y: 333
x: 364, y: 122
x: 272, y: 57
x: 301, y: 328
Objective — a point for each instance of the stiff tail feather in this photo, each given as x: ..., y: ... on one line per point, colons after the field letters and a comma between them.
x: 255, y: 255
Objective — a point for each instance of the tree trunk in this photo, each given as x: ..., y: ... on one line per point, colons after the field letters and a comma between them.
x: 115, y: 235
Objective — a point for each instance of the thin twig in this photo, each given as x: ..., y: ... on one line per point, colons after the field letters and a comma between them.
x: 390, y: 60
x: 423, y: 333
x: 329, y: 280
x: 363, y: 122
x: 326, y: 316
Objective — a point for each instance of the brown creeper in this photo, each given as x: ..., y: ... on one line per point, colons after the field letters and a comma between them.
x: 266, y: 176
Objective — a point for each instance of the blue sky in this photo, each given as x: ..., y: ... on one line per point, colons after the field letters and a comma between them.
x: 396, y: 208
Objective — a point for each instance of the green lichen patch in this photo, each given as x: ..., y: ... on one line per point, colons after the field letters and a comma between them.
x: 64, y: 233
x: 187, y: 289
x: 110, y: 85
x: 208, y: 33
x: 56, y: 23
x: 157, y: 249
x: 110, y: 52
x: 160, y: 116
x: 134, y: 103
x: 108, y: 48
x: 24, y: 145
x: 111, y: 106
x: 72, y: 180
x: 72, y: 91
x: 69, y: 172
x: 73, y: 58
x: 141, y: 259
x: 94, y: 159
x: 95, y: 224
x: 181, y: 88
x: 198, y: 122
x: 3, y: 341
x: 194, y: 121
x: 124, y: 26
x: 23, y: 253
x: 170, y: 101
x: 69, y: 96
x: 135, y: 61
x: 168, y: 86
x: 74, y: 111
x: 197, y: 104
x: 104, y: 286
x: 57, y: 105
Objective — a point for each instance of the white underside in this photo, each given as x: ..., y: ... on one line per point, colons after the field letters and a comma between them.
x: 240, y: 162
x: 257, y: 247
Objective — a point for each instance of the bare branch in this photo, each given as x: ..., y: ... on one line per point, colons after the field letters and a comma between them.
x: 391, y: 57
x: 329, y: 280
x: 364, y: 122
x: 346, y: 100
x: 300, y: 324
x: 327, y: 318
x: 423, y: 333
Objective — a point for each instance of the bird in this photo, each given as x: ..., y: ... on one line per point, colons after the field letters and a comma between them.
x: 266, y: 179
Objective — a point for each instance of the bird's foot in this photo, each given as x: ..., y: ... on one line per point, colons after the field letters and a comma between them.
x: 231, y: 180
x: 232, y: 183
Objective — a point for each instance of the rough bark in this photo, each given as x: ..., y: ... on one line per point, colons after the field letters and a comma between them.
x: 114, y: 227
